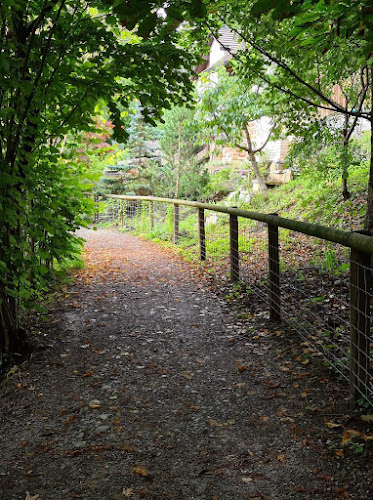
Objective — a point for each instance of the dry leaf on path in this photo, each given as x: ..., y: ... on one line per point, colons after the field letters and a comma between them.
x: 367, y: 418
x: 349, y: 435
x: 31, y: 497
x: 140, y: 470
x: 247, y: 479
x: 215, y: 423
x: 127, y: 492
x: 331, y: 425
x: 94, y: 404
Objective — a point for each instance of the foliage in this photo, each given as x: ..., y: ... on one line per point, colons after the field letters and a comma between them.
x: 227, y: 105
x: 221, y: 184
x: 302, y: 49
x: 227, y: 108
x: 59, y: 60
x: 179, y: 147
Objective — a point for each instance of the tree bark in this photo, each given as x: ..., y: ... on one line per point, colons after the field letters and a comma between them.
x: 345, y: 192
x: 254, y: 164
x: 368, y: 223
x: 178, y: 167
x: 10, y: 335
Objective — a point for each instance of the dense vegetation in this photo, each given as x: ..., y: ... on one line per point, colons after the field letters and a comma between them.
x: 98, y: 97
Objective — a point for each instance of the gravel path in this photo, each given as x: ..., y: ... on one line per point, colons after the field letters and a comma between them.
x: 151, y: 387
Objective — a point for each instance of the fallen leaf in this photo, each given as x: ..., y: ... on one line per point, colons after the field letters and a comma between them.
x: 31, y: 497
x: 94, y: 404
x: 331, y: 425
x: 215, y: 423
x: 127, y: 492
x: 127, y: 447
x: 300, y: 489
x: 304, y: 394
x: 140, y: 470
x: 339, y: 453
x: 281, y: 458
x: 247, y: 479
x: 188, y: 375
x: 349, y: 435
x: 367, y: 418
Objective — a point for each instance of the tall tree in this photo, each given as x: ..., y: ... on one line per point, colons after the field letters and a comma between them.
x: 303, y: 48
x: 58, y: 59
x: 178, y: 142
x: 227, y: 109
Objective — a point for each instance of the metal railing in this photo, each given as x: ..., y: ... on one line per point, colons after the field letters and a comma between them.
x: 315, y: 278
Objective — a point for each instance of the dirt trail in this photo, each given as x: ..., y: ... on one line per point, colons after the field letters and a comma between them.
x: 151, y: 387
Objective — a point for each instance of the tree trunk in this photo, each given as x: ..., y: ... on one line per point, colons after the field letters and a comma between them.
x: 368, y: 223
x: 10, y: 335
x: 254, y: 164
x: 345, y: 192
x: 178, y: 171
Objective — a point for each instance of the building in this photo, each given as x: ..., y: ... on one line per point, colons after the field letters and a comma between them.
x: 221, y: 53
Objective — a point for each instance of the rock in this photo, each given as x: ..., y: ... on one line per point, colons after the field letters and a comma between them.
x: 101, y: 429
x: 79, y: 444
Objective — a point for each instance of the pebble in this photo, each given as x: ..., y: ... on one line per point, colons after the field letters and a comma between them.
x: 79, y: 444
x: 101, y: 429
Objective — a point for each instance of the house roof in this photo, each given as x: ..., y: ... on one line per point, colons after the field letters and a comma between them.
x: 221, y: 50
x: 228, y: 39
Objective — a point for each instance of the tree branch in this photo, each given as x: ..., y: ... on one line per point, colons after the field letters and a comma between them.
x: 257, y: 150
x: 333, y: 105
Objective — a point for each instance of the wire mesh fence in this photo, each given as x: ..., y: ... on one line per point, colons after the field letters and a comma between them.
x: 320, y: 288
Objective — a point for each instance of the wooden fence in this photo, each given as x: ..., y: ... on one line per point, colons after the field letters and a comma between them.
x: 359, y: 349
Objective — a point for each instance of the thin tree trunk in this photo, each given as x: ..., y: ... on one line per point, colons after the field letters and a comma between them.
x: 345, y: 192
x: 254, y: 164
x: 10, y: 338
x: 368, y: 223
x: 178, y: 167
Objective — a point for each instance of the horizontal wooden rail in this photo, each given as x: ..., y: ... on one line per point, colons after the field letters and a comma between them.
x: 351, y: 239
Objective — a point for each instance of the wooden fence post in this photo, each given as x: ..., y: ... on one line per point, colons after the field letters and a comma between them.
x: 176, y: 223
x: 202, y: 234
x: 274, y: 273
x: 234, y: 255
x: 360, y: 286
